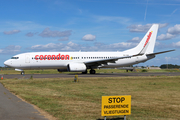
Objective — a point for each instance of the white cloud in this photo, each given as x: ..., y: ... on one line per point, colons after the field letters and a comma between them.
x: 89, y: 37
x: 143, y: 28
x: 63, y: 39
x: 139, y: 28
x: 120, y: 20
x: 174, y: 30
x: 163, y: 25
x: 47, y: 47
x: 30, y: 34
x: 21, y: 25
x: 166, y: 36
x: 48, y: 33
x: 11, y: 49
x: 176, y: 44
x: 122, y: 45
x: 135, y: 39
x: 11, y: 32
x: 56, y: 47
x: 70, y: 46
x: 171, y: 33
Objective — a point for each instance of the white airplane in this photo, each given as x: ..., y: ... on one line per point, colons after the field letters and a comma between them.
x: 81, y: 61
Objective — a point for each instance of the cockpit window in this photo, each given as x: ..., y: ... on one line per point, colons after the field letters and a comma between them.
x: 15, y: 58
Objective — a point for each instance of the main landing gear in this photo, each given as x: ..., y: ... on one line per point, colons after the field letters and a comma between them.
x: 91, y: 72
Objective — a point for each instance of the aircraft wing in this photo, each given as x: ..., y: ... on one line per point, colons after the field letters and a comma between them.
x: 112, y: 60
x: 104, y: 61
x: 160, y: 52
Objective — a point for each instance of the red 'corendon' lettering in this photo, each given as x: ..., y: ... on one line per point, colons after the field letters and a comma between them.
x: 41, y: 57
x: 48, y: 57
x: 36, y: 57
x: 52, y: 57
x: 148, y: 37
x: 45, y: 57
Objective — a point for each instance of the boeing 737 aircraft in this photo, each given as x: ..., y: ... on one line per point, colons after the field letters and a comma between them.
x: 81, y: 61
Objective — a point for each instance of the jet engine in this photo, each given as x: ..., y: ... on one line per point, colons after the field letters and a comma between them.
x: 76, y: 67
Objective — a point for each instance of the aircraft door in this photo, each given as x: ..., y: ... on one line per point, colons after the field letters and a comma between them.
x: 27, y: 58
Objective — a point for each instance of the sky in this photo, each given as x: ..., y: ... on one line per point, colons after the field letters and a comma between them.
x: 88, y: 25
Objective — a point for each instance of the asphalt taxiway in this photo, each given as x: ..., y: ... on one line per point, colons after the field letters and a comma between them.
x: 13, y: 108
x: 61, y: 75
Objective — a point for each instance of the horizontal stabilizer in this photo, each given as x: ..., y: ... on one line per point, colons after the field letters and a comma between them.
x: 160, y: 52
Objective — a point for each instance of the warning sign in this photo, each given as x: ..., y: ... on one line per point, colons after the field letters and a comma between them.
x: 116, y: 105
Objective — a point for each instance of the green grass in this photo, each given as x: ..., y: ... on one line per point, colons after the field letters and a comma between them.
x: 54, y: 71
x: 155, y: 97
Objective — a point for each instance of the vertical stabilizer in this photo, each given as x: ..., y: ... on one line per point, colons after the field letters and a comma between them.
x: 146, y: 45
x: 151, y: 38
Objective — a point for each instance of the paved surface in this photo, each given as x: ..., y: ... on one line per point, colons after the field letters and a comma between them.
x: 18, y: 76
x: 13, y: 108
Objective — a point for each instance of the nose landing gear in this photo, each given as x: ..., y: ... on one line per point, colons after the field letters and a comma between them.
x: 22, y: 73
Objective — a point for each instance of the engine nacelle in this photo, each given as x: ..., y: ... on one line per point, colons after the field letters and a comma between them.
x: 62, y: 70
x: 76, y: 67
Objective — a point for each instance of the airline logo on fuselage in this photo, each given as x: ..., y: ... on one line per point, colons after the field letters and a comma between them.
x: 52, y: 57
x: 148, y: 37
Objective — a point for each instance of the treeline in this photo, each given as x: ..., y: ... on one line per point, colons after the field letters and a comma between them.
x: 169, y: 66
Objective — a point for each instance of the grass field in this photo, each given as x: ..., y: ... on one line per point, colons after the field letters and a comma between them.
x: 153, y: 97
x: 54, y: 71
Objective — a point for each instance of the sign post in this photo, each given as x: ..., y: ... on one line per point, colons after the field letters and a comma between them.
x: 76, y: 78
x: 116, y: 105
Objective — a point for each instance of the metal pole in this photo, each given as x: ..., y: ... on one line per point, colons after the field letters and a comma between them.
x: 124, y: 117
x: 104, y: 117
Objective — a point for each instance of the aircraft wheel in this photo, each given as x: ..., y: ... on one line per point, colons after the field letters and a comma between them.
x: 22, y: 73
x: 92, y: 72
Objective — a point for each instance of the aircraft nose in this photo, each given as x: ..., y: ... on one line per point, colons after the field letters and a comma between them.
x: 7, y: 63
